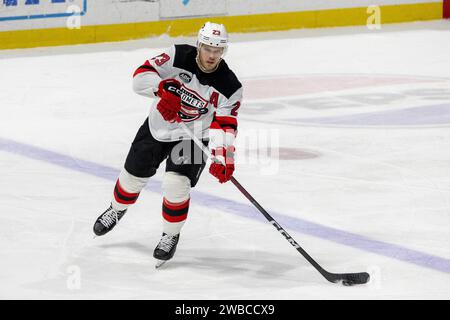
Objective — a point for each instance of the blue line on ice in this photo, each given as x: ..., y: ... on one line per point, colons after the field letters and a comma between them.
x: 243, y: 210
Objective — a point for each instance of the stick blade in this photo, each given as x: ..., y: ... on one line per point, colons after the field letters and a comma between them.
x: 349, y: 279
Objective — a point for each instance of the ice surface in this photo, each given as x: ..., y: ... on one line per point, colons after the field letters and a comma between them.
x: 362, y: 122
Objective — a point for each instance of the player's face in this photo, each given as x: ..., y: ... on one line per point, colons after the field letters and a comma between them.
x: 210, y: 56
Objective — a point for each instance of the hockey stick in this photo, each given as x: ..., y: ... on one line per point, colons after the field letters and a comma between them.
x: 347, y: 279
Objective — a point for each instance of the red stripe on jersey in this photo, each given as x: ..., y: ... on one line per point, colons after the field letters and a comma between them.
x: 146, y: 67
x: 215, y: 125
x: 224, y: 120
x: 227, y: 124
x: 225, y: 128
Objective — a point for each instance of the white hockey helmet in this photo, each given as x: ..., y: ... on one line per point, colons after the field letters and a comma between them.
x: 213, y: 34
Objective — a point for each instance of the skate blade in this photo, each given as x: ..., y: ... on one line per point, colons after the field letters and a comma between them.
x: 160, y: 263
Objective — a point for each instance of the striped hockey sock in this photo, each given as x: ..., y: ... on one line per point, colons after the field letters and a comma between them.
x: 123, y: 199
x: 174, y: 216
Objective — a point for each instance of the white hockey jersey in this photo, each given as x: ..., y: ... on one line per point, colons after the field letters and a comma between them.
x: 209, y: 101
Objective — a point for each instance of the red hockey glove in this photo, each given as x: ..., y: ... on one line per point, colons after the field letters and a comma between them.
x: 222, y: 172
x: 170, y: 102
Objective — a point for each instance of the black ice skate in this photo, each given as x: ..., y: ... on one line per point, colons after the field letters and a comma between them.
x: 108, y: 220
x: 165, y: 249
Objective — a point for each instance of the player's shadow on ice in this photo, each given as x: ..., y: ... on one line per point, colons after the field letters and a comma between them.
x: 136, y: 246
x: 256, y: 263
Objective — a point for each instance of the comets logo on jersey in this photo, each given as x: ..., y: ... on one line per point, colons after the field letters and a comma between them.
x: 205, y: 97
x: 193, y: 106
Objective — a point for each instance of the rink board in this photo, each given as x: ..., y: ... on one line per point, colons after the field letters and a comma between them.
x: 243, y: 23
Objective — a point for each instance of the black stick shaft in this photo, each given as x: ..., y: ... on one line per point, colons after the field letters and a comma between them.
x: 361, y: 277
x: 277, y: 226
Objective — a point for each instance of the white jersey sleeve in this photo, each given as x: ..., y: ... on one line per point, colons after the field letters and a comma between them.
x: 148, y: 76
x: 223, y: 130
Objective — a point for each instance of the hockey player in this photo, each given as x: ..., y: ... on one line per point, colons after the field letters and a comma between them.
x: 194, y: 85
